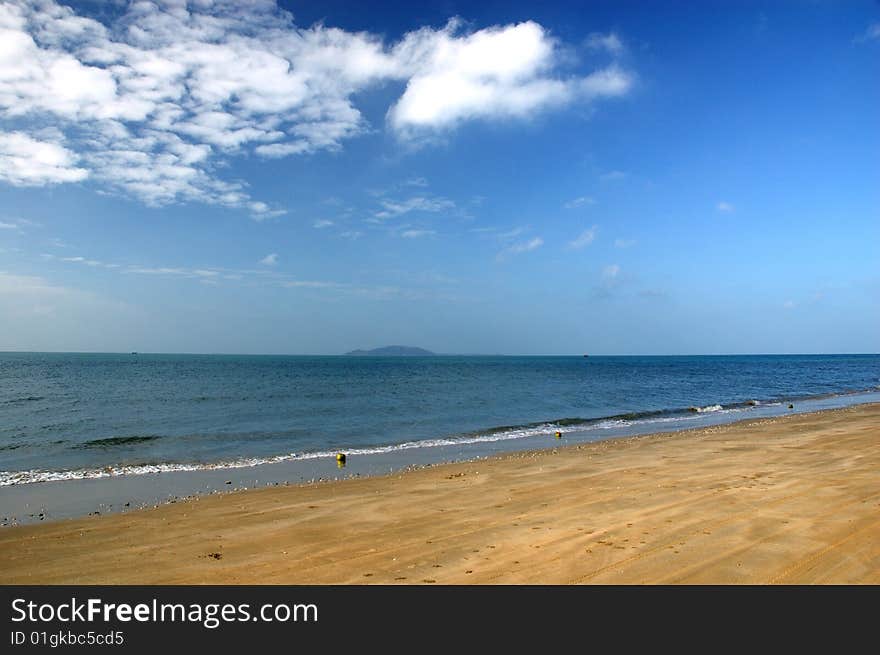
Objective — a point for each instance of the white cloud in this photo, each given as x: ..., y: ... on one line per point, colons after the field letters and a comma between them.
x: 512, y: 233
x: 611, y: 82
x: 416, y: 181
x: 321, y: 224
x: 527, y: 246
x: 392, y: 208
x: 577, y: 202
x: 81, y: 260
x: 25, y: 161
x: 584, y: 239
x: 154, y: 104
x: 260, y: 211
x: 415, y: 234
x: 725, y: 207
x: 610, y: 272
x: 624, y: 243
x: 523, y: 246
x: 351, y: 234
x: 214, y: 276
x: 610, y: 42
x: 497, y: 72
x: 789, y: 304
x: 156, y: 98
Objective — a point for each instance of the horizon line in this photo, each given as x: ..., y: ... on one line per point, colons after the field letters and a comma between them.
x: 433, y: 354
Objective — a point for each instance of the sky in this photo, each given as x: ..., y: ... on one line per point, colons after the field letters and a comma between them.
x: 496, y: 177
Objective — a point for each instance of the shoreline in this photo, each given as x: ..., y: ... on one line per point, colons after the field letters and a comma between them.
x: 52, y: 500
x: 788, y: 499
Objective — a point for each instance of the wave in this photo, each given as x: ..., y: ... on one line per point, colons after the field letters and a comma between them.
x: 22, y: 400
x: 109, y: 442
x: 708, y: 408
x: 563, y: 425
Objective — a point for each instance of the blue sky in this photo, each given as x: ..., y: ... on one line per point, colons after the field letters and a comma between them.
x: 617, y: 178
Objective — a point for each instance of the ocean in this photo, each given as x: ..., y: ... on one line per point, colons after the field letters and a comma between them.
x: 92, y: 416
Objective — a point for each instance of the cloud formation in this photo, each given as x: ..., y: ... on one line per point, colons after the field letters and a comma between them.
x: 584, y: 239
x: 610, y: 272
x: 25, y: 161
x: 392, y: 208
x: 521, y: 247
x: 498, y: 72
x: 610, y: 43
x: 153, y: 104
x: 725, y: 207
x: 578, y: 202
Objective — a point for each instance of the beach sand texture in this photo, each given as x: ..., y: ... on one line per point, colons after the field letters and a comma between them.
x: 794, y: 499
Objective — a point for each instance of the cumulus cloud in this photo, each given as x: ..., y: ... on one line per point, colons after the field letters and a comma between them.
x: 584, y: 239
x: 270, y: 260
x: 499, y: 72
x: 154, y: 103
x: 25, y: 161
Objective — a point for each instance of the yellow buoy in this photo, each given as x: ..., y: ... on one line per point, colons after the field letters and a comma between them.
x: 340, y: 457
x: 558, y: 435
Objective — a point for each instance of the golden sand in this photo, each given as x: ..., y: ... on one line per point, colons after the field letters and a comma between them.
x: 794, y: 499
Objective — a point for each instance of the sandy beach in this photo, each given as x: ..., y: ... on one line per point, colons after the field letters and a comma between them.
x: 794, y: 499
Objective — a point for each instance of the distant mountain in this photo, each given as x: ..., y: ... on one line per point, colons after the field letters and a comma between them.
x: 396, y: 351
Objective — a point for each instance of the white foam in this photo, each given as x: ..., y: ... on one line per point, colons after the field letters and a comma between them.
x: 8, y: 478
x: 708, y: 408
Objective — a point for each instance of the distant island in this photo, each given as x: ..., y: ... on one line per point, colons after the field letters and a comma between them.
x: 395, y: 351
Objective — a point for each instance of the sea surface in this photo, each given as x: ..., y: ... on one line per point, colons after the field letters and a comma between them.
x: 90, y: 416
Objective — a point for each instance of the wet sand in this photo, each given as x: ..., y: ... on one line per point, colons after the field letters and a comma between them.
x: 794, y: 499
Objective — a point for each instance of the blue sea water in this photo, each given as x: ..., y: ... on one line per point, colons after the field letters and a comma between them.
x: 73, y: 416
